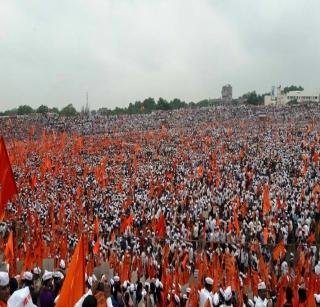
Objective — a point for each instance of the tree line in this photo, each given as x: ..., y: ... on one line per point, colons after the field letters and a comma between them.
x: 68, y: 110
x: 148, y: 105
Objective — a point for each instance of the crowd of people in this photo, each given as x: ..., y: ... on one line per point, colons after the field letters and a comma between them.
x: 213, y: 206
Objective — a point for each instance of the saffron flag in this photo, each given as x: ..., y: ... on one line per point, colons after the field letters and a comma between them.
x: 279, y: 251
x: 8, y: 252
x: 8, y: 186
x: 96, y: 247
x: 266, y: 199
x: 74, y: 285
x: 161, y: 226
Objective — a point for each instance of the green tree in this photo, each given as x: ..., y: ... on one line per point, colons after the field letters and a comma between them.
x: 203, y: 103
x: 134, y: 108
x: 54, y: 110
x: 118, y: 111
x: 163, y: 104
x: 177, y: 104
x: 148, y: 105
x: 104, y: 111
x: 68, y: 110
x: 253, y: 98
x: 10, y: 112
x: 24, y: 110
x: 292, y: 88
x: 43, y: 109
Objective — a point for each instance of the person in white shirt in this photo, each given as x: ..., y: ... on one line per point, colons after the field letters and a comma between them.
x: 261, y: 300
x: 205, y: 293
x: 317, y: 299
x: 227, y: 295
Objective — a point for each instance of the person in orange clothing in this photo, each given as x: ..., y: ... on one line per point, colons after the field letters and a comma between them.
x: 4, y: 288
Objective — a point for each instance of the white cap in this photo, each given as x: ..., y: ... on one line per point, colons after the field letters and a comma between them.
x: 47, y: 275
x: 188, y: 290
x: 37, y: 270
x: 227, y: 294
x: 4, y: 279
x: 262, y: 286
x: 209, y: 281
x: 27, y: 276
x: 116, y: 278
x: 58, y: 274
x: 62, y: 264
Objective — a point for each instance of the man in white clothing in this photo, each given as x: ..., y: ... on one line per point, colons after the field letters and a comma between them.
x: 261, y: 300
x: 205, y: 293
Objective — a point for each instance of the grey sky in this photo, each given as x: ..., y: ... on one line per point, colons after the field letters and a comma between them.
x: 53, y: 52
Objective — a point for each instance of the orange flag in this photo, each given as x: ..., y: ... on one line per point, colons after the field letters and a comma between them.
x: 126, y: 223
x: 33, y: 181
x: 63, y: 247
x: 311, y: 238
x: 8, y: 252
x: 96, y: 247
x: 265, y: 235
x: 279, y: 250
x: 96, y: 227
x: 200, y: 170
x: 315, y: 157
x: 161, y: 227
x: 263, y: 269
x: 8, y: 186
x: 9, y: 255
x: 236, y: 223
x: 241, y: 153
x: 74, y: 285
x: 266, y: 199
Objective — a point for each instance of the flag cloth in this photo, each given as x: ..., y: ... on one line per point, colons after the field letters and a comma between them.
x: 9, y: 255
x: 161, y: 227
x: 279, y: 251
x: 8, y: 186
x: 8, y: 252
x: 74, y: 285
x: 266, y: 199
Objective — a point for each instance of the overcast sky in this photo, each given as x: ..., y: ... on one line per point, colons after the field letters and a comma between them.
x: 53, y: 52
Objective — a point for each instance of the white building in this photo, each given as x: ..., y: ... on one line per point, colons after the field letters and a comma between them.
x: 302, y: 96
x: 282, y: 98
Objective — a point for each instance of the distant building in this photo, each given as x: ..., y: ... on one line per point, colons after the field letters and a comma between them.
x: 302, y: 96
x: 226, y: 98
x: 282, y: 98
x: 226, y: 93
